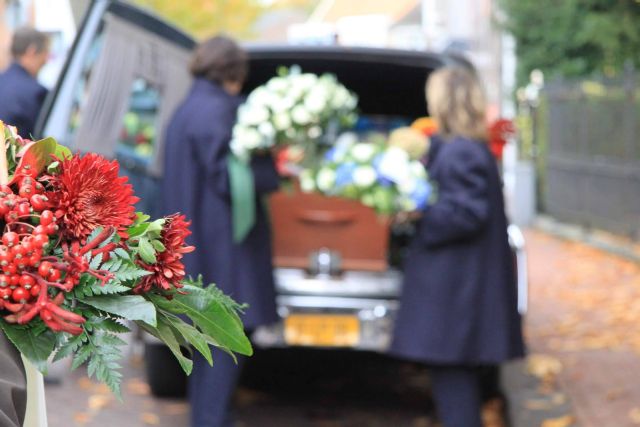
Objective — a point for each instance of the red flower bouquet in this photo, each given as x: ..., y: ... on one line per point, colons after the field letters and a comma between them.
x: 78, y: 265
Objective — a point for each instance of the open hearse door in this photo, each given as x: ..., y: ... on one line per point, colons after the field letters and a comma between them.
x: 337, y: 264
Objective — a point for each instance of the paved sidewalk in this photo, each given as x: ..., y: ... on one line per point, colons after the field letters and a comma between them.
x: 583, y: 331
x: 585, y: 312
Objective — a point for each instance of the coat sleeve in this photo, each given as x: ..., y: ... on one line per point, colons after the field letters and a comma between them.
x: 265, y: 176
x: 462, y: 208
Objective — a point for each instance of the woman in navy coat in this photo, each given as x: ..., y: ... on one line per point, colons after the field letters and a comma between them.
x: 458, y: 311
x: 196, y: 183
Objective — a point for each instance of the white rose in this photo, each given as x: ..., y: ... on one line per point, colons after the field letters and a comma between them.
x: 364, y: 176
x: 300, y: 115
x: 260, y: 96
x: 267, y: 130
x: 407, y: 186
x: 282, y: 121
x: 253, y: 114
x: 417, y: 170
x: 314, y: 132
x: 278, y: 84
x: 326, y: 179
x: 315, y: 101
x: 363, y: 152
x: 394, y: 164
x: 307, y: 184
x: 250, y: 138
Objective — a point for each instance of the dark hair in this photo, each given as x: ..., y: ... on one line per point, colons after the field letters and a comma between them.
x: 220, y: 59
x: 25, y: 37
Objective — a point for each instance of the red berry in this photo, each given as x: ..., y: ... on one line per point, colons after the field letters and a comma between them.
x: 6, y: 189
x: 5, y: 293
x: 46, y: 217
x: 10, y: 268
x: 11, y: 217
x: 35, y: 290
x: 39, y: 187
x: 40, y: 229
x: 34, y: 260
x: 14, y: 280
x: 24, y: 209
x: 26, y: 281
x: 10, y: 238
x: 45, y: 268
x: 18, y: 249
x: 51, y: 229
x: 20, y: 295
x: 26, y: 191
x: 38, y: 202
x: 54, y: 275
x: 4, y: 209
x: 4, y: 281
x: 27, y: 244
x: 39, y: 240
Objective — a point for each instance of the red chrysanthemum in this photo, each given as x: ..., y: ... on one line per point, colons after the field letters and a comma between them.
x: 88, y: 193
x: 168, y: 271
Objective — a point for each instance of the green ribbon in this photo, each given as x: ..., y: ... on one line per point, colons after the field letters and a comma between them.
x: 243, y: 197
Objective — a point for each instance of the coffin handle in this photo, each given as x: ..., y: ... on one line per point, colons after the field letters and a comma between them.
x: 326, y: 217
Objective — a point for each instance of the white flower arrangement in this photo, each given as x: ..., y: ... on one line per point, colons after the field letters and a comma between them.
x: 293, y: 107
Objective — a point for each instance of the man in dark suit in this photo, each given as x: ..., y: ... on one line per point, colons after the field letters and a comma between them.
x: 21, y: 94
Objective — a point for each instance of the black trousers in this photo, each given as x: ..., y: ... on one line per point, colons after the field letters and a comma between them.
x: 459, y: 392
x: 211, y: 389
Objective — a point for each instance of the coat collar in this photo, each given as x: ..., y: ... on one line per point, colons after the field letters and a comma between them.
x: 19, y: 69
x: 200, y: 84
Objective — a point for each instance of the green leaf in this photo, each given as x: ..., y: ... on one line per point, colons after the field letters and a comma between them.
x: 190, y: 334
x: 209, y: 314
x: 130, y: 307
x: 82, y: 356
x: 37, y: 155
x: 36, y: 348
x: 130, y: 272
x: 158, y: 246
x: 62, y: 152
x: 122, y: 253
x: 146, y: 251
x: 165, y: 334
x: 109, y: 325
x: 71, y: 346
x: 156, y: 227
x: 137, y: 230
x: 95, y: 262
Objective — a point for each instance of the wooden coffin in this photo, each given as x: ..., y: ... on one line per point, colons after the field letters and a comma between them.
x: 304, y: 223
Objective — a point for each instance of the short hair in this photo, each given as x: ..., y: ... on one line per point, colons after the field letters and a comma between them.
x: 25, y: 37
x: 457, y: 103
x: 220, y: 59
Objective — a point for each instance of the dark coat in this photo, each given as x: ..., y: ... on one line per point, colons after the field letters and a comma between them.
x: 196, y: 183
x: 22, y: 98
x: 13, y: 385
x: 459, y: 295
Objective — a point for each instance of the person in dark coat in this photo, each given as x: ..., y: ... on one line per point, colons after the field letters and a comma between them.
x: 13, y: 385
x: 22, y: 96
x: 458, y: 312
x: 196, y: 183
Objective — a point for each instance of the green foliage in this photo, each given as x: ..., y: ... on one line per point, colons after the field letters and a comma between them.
x: 573, y: 38
x: 203, y: 18
x: 131, y: 307
x: 214, y: 315
x: 36, y: 344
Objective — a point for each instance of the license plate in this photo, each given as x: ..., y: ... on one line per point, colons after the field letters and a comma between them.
x: 324, y: 330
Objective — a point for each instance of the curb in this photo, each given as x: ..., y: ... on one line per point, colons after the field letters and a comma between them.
x: 615, y: 244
